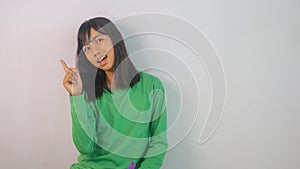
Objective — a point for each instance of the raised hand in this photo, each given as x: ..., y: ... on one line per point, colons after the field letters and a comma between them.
x: 72, y: 81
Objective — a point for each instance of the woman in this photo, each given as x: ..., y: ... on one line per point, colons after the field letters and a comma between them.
x: 118, y: 114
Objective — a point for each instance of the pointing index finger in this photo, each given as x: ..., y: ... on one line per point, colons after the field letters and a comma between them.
x: 64, y: 65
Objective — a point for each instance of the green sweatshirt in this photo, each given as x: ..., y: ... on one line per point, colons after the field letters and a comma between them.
x: 126, y: 126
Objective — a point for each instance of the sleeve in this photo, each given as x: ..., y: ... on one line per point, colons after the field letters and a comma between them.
x: 158, y: 144
x: 83, y: 124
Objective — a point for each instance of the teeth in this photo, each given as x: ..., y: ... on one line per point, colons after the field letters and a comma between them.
x: 101, y: 58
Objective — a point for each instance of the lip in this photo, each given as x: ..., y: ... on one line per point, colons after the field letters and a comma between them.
x: 99, y: 60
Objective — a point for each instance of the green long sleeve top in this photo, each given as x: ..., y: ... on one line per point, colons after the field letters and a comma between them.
x: 127, y: 125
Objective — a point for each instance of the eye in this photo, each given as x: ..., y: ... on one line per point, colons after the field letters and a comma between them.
x: 99, y: 40
x: 86, y: 49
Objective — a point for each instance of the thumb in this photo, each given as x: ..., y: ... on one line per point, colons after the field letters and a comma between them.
x: 77, y: 72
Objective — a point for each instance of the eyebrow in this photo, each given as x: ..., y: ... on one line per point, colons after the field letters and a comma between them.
x: 91, y: 39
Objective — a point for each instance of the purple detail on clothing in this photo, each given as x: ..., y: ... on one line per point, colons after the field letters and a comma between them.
x: 131, y: 166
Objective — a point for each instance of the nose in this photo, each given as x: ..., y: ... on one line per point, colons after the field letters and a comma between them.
x: 96, y: 52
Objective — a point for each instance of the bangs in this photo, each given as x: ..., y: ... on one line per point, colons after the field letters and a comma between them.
x: 85, y: 32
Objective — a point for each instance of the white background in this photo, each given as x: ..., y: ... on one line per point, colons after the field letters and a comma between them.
x: 257, y: 42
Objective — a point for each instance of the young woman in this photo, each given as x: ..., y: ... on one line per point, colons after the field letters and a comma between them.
x: 118, y: 114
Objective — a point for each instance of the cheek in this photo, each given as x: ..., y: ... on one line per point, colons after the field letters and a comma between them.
x: 111, y: 53
x: 90, y: 60
x: 110, y: 48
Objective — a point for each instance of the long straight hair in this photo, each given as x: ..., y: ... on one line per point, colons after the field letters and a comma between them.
x: 93, y: 78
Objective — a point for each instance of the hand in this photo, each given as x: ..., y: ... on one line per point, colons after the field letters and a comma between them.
x: 72, y: 81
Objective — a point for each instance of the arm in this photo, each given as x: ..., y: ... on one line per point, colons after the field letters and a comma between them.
x: 158, y: 144
x: 83, y: 124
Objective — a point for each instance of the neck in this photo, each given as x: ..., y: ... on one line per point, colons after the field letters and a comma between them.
x: 109, y: 79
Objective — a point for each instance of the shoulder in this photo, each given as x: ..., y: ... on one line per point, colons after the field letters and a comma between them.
x: 150, y: 80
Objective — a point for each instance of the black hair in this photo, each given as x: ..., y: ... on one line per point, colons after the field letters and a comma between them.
x: 93, y: 78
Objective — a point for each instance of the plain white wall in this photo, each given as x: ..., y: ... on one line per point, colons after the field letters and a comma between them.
x: 258, y: 46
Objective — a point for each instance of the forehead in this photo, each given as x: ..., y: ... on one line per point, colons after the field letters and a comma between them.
x: 93, y: 34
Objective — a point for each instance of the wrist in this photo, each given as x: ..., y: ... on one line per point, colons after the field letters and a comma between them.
x: 79, y: 94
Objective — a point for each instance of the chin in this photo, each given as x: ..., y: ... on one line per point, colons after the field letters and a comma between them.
x: 106, y: 68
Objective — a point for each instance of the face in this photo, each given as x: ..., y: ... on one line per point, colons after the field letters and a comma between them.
x: 99, y: 50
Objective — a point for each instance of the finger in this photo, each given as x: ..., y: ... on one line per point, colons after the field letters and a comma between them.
x: 74, y: 76
x: 69, y: 73
x: 73, y: 81
x: 63, y: 63
x: 70, y: 80
x: 68, y: 77
x: 72, y: 69
x: 71, y: 76
x: 76, y: 72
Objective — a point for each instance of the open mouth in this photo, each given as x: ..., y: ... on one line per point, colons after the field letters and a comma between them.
x: 102, y: 60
